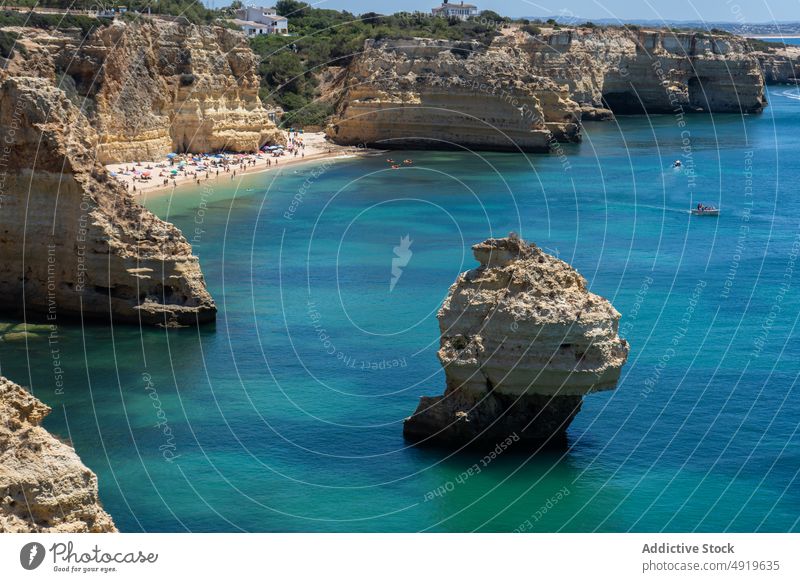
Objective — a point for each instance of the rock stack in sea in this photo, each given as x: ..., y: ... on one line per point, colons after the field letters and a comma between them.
x: 44, y: 487
x: 522, y: 341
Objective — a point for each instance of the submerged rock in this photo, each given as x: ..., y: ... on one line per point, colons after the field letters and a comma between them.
x: 522, y: 341
x: 44, y: 486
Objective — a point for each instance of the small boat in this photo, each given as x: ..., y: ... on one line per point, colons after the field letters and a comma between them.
x: 705, y: 211
x: 676, y: 164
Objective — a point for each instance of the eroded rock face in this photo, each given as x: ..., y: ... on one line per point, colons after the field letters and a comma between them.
x: 441, y: 94
x: 781, y: 64
x: 656, y: 71
x: 73, y: 241
x: 152, y: 87
x: 44, y: 487
x: 522, y: 341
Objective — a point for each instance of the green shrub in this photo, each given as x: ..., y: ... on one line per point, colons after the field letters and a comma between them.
x: 7, y: 43
x: 531, y: 29
x: 315, y: 114
x: 51, y: 21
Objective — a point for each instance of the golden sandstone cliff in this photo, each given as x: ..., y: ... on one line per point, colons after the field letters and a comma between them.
x: 73, y: 241
x: 656, y: 71
x: 442, y: 94
x: 528, y: 92
x: 153, y: 87
x: 44, y: 487
x: 522, y: 341
x: 780, y: 64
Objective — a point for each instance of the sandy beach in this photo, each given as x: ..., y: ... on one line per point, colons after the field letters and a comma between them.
x: 771, y: 36
x: 167, y: 174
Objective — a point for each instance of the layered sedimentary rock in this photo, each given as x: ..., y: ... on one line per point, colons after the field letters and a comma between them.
x: 44, y: 487
x: 780, y: 64
x: 527, y: 91
x: 441, y: 94
x: 73, y: 241
x: 653, y: 71
x: 152, y: 87
x: 522, y: 341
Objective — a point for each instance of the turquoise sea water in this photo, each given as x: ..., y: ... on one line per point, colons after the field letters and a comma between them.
x: 787, y: 40
x: 286, y: 415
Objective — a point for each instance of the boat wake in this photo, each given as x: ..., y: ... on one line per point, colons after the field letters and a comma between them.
x: 654, y: 207
x: 792, y: 94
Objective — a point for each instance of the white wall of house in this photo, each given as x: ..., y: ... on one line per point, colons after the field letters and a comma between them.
x: 255, y: 20
x: 462, y: 11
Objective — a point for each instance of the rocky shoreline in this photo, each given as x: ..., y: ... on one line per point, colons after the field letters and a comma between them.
x: 528, y: 92
x: 77, y: 244
x: 44, y: 487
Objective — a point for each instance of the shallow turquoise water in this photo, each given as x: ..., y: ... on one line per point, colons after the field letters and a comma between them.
x: 272, y: 432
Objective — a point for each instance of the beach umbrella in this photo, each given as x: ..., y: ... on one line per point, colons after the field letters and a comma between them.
x: 170, y: 156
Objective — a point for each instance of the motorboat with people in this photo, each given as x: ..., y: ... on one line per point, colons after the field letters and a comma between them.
x: 703, y: 210
x: 676, y: 164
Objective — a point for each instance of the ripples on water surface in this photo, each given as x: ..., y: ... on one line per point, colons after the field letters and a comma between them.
x: 274, y: 433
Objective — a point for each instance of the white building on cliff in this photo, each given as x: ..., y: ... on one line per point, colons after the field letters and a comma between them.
x: 255, y: 20
x: 462, y: 11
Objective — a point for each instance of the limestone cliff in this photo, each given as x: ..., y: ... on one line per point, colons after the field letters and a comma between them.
x: 652, y: 71
x: 155, y: 86
x: 44, y: 487
x: 522, y: 341
x: 73, y: 241
x: 440, y: 94
x: 780, y: 64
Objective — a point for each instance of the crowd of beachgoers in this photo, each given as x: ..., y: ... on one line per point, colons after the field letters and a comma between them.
x: 180, y: 168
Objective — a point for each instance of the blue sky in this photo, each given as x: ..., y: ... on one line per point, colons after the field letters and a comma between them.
x: 712, y: 10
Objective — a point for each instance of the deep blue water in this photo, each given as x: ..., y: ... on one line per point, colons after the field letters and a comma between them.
x: 286, y: 415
